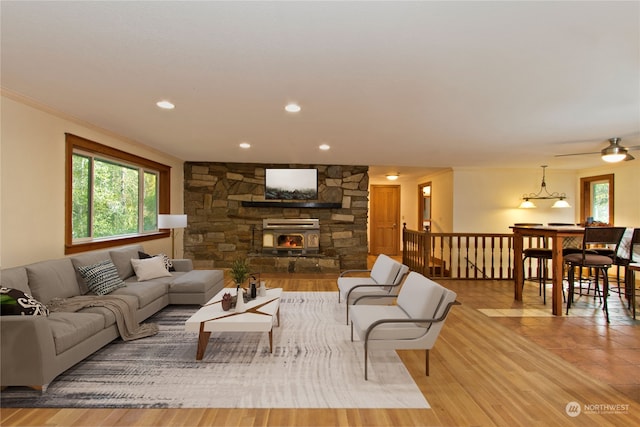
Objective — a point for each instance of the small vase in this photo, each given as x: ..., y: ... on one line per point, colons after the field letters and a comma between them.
x: 263, y: 289
x: 226, y: 302
x: 240, y: 301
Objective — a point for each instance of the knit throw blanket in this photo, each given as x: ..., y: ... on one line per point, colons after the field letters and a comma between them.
x: 127, y: 326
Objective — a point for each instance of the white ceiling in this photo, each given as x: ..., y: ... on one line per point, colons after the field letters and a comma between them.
x: 388, y: 84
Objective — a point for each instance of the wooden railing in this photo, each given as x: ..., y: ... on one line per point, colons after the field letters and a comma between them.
x: 469, y: 256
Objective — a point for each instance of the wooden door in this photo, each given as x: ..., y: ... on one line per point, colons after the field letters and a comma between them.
x: 385, y: 220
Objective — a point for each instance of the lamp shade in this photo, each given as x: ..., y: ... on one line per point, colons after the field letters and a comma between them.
x: 172, y: 221
x: 562, y: 203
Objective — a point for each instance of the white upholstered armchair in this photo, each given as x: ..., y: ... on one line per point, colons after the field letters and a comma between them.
x: 384, y: 277
x: 414, y: 322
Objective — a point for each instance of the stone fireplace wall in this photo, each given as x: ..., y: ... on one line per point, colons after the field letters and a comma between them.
x: 225, y: 206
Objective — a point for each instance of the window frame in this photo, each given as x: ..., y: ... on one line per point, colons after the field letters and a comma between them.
x: 74, y: 142
x: 585, y: 193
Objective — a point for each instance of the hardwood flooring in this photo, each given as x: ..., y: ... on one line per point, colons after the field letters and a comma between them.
x: 485, y: 371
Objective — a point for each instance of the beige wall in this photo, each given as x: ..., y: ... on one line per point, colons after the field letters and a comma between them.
x: 32, y: 180
x: 626, y: 190
x: 483, y: 200
x: 487, y: 200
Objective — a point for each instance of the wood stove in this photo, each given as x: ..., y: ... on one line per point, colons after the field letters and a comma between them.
x: 291, y: 236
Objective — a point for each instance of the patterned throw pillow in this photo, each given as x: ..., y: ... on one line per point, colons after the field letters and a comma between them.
x: 101, y: 278
x: 16, y: 302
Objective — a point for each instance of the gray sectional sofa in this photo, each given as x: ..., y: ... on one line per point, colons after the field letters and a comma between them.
x: 36, y: 349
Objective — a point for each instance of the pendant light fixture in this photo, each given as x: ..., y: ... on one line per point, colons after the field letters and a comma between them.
x: 544, y: 194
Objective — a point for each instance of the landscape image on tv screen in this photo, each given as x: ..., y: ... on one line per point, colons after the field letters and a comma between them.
x: 291, y: 184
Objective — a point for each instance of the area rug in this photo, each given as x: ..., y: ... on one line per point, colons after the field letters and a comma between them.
x: 314, y: 364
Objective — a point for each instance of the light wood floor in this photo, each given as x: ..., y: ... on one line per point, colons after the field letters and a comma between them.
x: 485, y: 371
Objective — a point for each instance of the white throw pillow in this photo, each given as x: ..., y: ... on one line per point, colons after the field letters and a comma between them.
x: 149, y: 268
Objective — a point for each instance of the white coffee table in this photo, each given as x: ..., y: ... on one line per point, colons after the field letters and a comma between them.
x: 257, y: 316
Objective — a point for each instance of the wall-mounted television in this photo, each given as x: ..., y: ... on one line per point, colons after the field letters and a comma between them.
x: 291, y: 184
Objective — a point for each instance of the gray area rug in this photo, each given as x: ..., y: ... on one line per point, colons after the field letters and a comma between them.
x: 314, y: 364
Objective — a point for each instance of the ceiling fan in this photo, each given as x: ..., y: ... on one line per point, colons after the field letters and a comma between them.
x: 613, y: 153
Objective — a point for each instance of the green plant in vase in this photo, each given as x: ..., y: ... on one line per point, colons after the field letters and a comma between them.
x: 239, y: 272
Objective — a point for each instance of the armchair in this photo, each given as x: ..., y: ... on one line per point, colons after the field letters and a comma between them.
x: 383, y: 277
x: 414, y: 322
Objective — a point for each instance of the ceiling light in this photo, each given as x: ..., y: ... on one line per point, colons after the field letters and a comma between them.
x: 392, y: 176
x: 544, y: 194
x: 245, y: 145
x: 324, y: 147
x: 165, y: 105
x: 614, y: 152
x: 292, y: 108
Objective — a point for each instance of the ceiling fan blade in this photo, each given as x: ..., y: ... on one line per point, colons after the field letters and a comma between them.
x: 576, y: 154
x: 635, y: 147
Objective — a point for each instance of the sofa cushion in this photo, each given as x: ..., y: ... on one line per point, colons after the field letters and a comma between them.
x: 150, y: 268
x: 70, y: 329
x: 121, y: 258
x: 52, y: 279
x: 109, y: 317
x: 195, y: 281
x: 145, y: 292
x: 101, y: 278
x: 15, y: 302
x: 15, y: 278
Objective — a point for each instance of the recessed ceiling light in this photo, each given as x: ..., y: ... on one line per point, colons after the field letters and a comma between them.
x: 165, y: 105
x: 324, y: 147
x: 245, y: 145
x: 292, y: 107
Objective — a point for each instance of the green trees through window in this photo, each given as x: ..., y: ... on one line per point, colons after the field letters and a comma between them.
x: 111, y: 194
x: 107, y: 196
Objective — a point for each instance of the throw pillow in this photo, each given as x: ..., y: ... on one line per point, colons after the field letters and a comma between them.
x: 149, y: 268
x: 167, y: 261
x: 16, y: 302
x: 101, y: 278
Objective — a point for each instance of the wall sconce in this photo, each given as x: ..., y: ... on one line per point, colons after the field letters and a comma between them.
x: 172, y: 222
x: 544, y: 194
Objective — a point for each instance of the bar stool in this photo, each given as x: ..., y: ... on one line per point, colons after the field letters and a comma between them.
x: 542, y: 255
x: 601, y: 263
x: 631, y: 266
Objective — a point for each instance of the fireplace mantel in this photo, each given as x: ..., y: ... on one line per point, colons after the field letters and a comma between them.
x: 278, y: 204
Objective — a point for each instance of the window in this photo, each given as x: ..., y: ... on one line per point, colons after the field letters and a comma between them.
x: 597, y: 199
x: 113, y: 197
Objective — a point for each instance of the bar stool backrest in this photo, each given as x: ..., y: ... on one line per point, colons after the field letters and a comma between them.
x: 602, y: 236
x: 635, y: 246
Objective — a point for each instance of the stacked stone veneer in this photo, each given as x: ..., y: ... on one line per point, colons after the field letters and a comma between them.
x: 220, y: 229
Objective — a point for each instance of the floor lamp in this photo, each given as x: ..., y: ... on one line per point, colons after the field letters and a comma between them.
x: 172, y: 222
